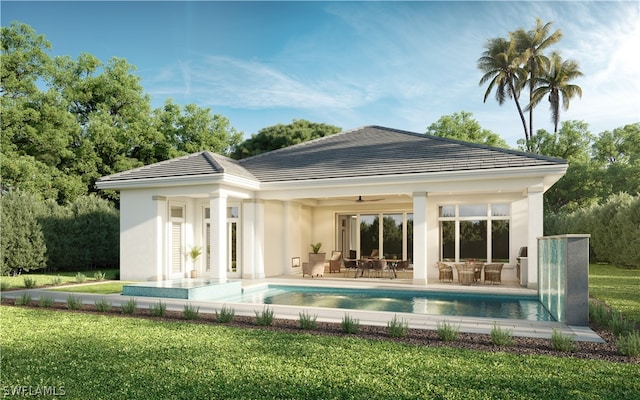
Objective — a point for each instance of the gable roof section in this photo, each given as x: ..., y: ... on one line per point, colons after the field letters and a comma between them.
x: 204, y: 163
x: 377, y: 151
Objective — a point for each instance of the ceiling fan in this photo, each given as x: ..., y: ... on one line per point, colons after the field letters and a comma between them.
x: 361, y: 200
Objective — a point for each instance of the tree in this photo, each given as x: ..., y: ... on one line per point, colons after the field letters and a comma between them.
x: 194, y: 129
x: 617, y: 153
x: 22, y: 245
x: 530, y: 45
x: 554, y: 82
x: 280, y: 135
x: 462, y: 126
x: 580, y: 185
x: 501, y: 66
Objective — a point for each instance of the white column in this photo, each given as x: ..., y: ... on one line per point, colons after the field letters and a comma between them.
x: 218, y: 253
x: 252, y: 220
x: 161, y: 265
x: 535, y: 230
x: 291, y: 239
x: 420, y: 238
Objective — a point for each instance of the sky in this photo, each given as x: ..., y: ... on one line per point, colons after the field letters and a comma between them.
x: 401, y: 65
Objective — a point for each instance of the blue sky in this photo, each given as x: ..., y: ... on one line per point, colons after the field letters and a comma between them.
x: 397, y: 64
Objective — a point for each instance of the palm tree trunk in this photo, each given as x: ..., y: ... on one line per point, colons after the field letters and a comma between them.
x: 524, y: 122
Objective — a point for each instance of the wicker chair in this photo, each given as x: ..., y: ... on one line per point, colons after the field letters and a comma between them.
x: 466, y: 273
x: 445, y: 272
x: 493, y: 273
x: 335, y: 263
x: 477, y: 270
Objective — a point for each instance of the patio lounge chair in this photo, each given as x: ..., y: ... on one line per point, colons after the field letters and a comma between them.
x: 335, y: 263
x: 445, y: 272
x: 493, y: 273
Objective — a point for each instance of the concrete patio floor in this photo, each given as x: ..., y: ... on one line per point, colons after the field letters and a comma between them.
x: 522, y: 328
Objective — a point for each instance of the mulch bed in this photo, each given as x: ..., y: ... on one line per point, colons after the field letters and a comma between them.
x: 418, y: 337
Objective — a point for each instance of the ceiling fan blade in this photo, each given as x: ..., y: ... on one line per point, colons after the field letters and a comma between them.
x: 361, y: 200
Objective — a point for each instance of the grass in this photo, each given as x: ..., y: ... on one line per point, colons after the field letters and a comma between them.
x: 52, y: 279
x: 618, y: 287
x: 97, y: 288
x: 97, y: 356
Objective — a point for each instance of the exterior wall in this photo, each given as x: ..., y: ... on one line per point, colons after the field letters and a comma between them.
x: 141, y: 235
x: 274, y: 233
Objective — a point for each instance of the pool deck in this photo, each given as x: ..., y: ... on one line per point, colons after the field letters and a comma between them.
x: 522, y: 328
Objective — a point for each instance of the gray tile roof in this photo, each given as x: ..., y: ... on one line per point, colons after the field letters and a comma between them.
x: 197, y: 164
x: 374, y: 150
x: 367, y: 151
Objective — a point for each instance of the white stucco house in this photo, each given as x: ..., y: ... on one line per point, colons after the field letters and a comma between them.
x: 410, y: 196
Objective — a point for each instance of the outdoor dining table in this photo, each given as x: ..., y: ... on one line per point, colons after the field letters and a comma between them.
x: 361, y: 265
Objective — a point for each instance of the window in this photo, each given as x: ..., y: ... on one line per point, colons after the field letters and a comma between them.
x: 478, y: 231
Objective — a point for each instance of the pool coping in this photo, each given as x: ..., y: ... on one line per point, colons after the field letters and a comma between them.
x: 480, y: 325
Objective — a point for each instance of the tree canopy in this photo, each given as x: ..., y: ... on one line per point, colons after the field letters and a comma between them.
x: 280, y: 135
x: 68, y: 122
x: 518, y: 62
x: 462, y: 126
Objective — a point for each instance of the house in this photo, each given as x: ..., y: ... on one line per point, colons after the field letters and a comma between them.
x: 410, y: 196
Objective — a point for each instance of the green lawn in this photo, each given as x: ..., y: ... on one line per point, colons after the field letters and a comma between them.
x: 105, y: 357
x: 618, y: 287
x: 49, y: 279
x: 97, y: 288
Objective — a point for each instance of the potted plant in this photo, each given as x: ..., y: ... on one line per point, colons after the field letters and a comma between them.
x: 316, y: 260
x: 194, y: 254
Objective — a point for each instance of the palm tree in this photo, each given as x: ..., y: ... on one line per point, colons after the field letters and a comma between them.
x: 502, y: 69
x: 555, y: 82
x: 530, y: 44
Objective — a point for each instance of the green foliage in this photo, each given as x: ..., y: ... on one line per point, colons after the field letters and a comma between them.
x: 244, y: 363
x: 599, y: 313
x: 446, y: 332
x: 397, y: 327
x: 4, y: 285
x: 129, y: 306
x: 614, y: 227
x: 226, y: 314
x: 45, y: 301
x: 190, y: 312
x: 264, y: 317
x: 29, y: 282
x: 81, y: 278
x: 350, y: 325
x: 22, y: 244
x: 315, y: 247
x: 280, y: 135
x: 56, y: 280
x: 629, y: 344
x: 307, y: 321
x: 562, y: 342
x: 73, y: 302
x: 99, y: 276
x: 158, y: 309
x: 103, y: 305
x: 462, y: 126
x: 619, y: 325
x: 23, y: 300
x: 501, y: 337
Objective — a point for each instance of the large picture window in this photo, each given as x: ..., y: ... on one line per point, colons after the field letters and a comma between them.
x: 474, y: 232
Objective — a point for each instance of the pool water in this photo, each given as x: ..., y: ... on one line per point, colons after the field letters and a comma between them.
x: 395, y: 300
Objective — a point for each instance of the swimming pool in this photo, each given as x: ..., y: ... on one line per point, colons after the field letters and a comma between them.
x: 397, y: 300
